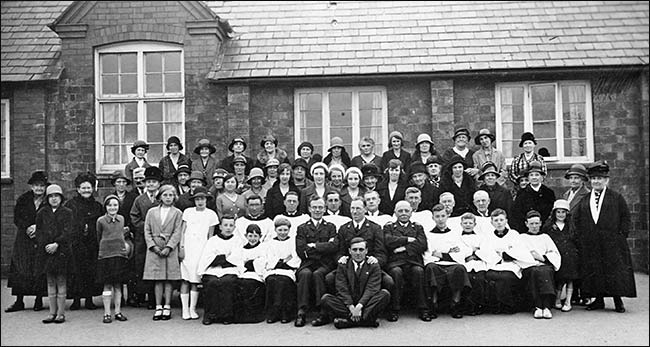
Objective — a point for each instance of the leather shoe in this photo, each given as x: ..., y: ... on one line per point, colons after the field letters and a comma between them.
x: 15, y: 307
x: 300, y: 321
x: 368, y: 323
x: 272, y: 320
x: 342, y: 323
x: 424, y: 316
x: 59, y: 319
x: 206, y: 320
x: 455, y: 311
x: 76, y: 304
x: 320, y: 321
x: 49, y: 319
x: 393, y: 316
x: 107, y: 318
x: 38, y: 306
x: 285, y: 320
x: 596, y: 305
x: 158, y: 314
x: 120, y: 317
x: 89, y: 305
x: 618, y: 305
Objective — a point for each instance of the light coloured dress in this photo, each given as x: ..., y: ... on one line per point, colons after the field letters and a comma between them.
x: 195, y: 238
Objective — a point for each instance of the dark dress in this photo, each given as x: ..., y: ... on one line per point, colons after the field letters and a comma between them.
x: 528, y: 199
x: 386, y: 204
x: 500, y: 197
x: 168, y: 168
x: 274, y: 203
x: 566, y: 242
x: 23, y: 277
x: 85, y: 247
x: 404, y: 157
x: 463, y: 195
x: 55, y: 227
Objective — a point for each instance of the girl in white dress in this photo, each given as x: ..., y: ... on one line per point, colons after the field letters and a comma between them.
x: 198, y: 225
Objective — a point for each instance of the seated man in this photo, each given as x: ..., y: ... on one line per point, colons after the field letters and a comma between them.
x: 422, y: 217
x: 292, y: 213
x: 254, y: 215
x: 405, y: 243
x: 359, y: 298
x: 333, y: 213
x: 316, y: 245
x: 372, y: 206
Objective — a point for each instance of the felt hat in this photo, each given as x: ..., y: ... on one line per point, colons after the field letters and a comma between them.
x: 200, y: 192
x: 53, y: 189
x: 235, y: 140
x: 272, y: 162
x: 527, y: 136
x: 337, y: 167
x: 182, y: 168
x: 336, y: 142
x: 456, y: 159
x: 139, y: 172
x: 599, y: 169
x: 434, y: 159
x: 423, y: 138
x: 417, y: 167
x: 461, y: 131
x: 561, y: 203
x: 488, y: 167
x: 371, y: 169
x: 219, y: 173
x: 256, y: 172
x: 577, y: 169
x: 85, y: 177
x: 117, y: 175
x: 481, y: 133
x: 355, y: 170
x: 153, y: 173
x: 197, y: 175
x: 111, y: 196
x: 300, y: 162
x: 268, y: 137
x: 139, y: 143
x: 396, y: 134
x: 317, y: 165
x: 204, y: 143
x: 306, y: 144
x: 38, y: 176
x: 238, y: 159
x: 535, y: 166
x: 176, y: 140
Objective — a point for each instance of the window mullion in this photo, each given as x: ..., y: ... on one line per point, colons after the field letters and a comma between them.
x: 356, y: 127
x: 559, y: 119
x: 528, y: 109
x: 326, y: 119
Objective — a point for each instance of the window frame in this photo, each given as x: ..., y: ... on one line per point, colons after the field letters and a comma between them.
x: 141, y: 98
x: 356, y: 137
x: 6, y: 171
x: 559, y: 158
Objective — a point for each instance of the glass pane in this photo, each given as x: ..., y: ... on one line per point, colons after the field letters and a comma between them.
x: 172, y: 83
x: 111, y: 134
x: 128, y: 62
x: 131, y: 112
x: 370, y: 118
x: 109, y: 84
x: 154, y: 132
x: 130, y: 133
x: 518, y: 113
x: 110, y: 113
x: 543, y: 101
x: 369, y: 100
x: 549, y: 144
x: 340, y: 101
x: 155, y: 153
x: 129, y: 84
x: 573, y: 112
x: 340, y: 118
x: 544, y: 130
x: 108, y: 63
x: 154, y: 83
x: 573, y: 94
x: 507, y: 148
x: 506, y: 114
x: 173, y: 61
x: 154, y: 111
x: 310, y: 102
x: 173, y: 111
x: 315, y: 136
x: 574, y: 129
x: 575, y: 147
x: 512, y: 96
x: 153, y: 62
x: 112, y: 155
x: 346, y: 134
x: 126, y: 153
x: 173, y: 129
x: 311, y: 119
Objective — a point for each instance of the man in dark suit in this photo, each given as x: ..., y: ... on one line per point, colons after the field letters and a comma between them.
x: 536, y: 196
x: 359, y: 298
x: 603, y: 223
x: 316, y: 245
x: 405, y: 244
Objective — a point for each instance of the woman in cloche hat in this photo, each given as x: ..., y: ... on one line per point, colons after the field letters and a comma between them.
x: 395, y: 151
x: 270, y: 150
x: 521, y: 163
x: 206, y: 163
x: 173, y: 160
x: 139, y: 150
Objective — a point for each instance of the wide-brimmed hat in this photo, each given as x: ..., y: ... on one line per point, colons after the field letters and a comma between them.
x: 527, y: 136
x: 300, y: 162
x: 371, y: 169
x: 153, y: 173
x: 200, y: 192
x: 268, y: 137
x: 197, y: 175
x: 38, y: 176
x: 599, y: 169
x: 318, y: 165
x: 336, y: 142
x: 535, y: 166
x: 238, y: 159
x: 139, y: 172
x: 577, y: 169
x: 561, y: 203
x: 434, y: 159
x: 305, y: 144
x: 423, y: 138
x: 139, y: 143
x: 481, y: 133
x: 219, y: 173
x: 53, y: 189
x: 235, y: 140
x: 489, y: 167
x: 461, y: 131
x: 204, y: 143
x: 117, y: 175
x: 176, y: 140
x: 456, y: 159
x: 256, y: 172
x: 85, y: 177
x: 417, y: 167
x: 182, y: 168
x: 353, y: 169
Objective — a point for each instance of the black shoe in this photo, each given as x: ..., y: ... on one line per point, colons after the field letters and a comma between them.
x: 206, y: 320
x: 49, y: 319
x: 120, y: 317
x: 369, y: 323
x: 393, y: 316
x: 76, y: 304
x: 59, y: 319
x: 167, y: 314
x: 158, y: 314
x: 342, y: 323
x: 133, y: 302
x: 38, y: 305
x: 455, y: 311
x: 285, y: 320
x: 598, y: 304
x: 16, y: 306
x: 300, y: 321
x: 618, y: 305
x: 107, y: 318
x: 320, y: 321
x: 424, y: 316
x: 89, y: 305
x: 272, y: 320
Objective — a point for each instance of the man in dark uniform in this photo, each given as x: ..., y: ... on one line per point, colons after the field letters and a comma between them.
x: 316, y: 245
x: 536, y: 196
x: 405, y: 242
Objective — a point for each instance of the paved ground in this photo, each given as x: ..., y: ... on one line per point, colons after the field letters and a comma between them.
x: 578, y: 327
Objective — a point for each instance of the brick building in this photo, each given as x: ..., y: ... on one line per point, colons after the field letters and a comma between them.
x: 82, y: 80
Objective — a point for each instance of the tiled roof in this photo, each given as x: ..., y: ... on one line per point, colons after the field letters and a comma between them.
x: 322, y: 38
x: 30, y: 50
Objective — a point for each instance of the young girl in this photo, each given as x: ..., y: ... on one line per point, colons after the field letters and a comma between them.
x: 250, y: 286
x: 562, y: 233
x: 198, y: 226
x: 54, y: 233
x: 353, y: 188
x: 162, y: 233
x: 112, y: 257
x: 230, y: 202
x: 280, y: 276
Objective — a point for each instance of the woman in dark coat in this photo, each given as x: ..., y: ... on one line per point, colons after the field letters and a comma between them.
x: 395, y: 151
x: 274, y: 203
x: 86, y: 210
x: 604, y: 251
x: 536, y: 196
x: 173, y: 160
x: 23, y: 278
x: 453, y: 173
x: 394, y: 183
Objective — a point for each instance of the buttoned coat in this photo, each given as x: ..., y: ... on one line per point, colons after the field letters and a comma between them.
x: 168, y: 168
x: 580, y: 194
x: 132, y: 165
x: 386, y: 204
x: 141, y: 206
x: 162, y: 234
x: 369, y: 283
x: 369, y: 231
x: 326, y: 244
x: 396, y: 235
x: 528, y: 199
x: 207, y: 169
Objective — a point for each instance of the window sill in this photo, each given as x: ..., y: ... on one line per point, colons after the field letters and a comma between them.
x: 6, y: 180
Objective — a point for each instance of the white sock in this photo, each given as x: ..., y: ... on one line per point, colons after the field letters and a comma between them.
x: 194, y: 297
x: 185, y: 298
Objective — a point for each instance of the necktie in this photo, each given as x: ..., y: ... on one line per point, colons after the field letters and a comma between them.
x: 357, y: 227
x: 597, y: 198
x: 358, y: 270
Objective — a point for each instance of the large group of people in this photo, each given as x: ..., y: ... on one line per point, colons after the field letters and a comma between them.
x: 347, y: 239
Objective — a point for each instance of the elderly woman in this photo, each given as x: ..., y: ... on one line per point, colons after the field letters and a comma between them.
x: 461, y: 140
x: 367, y: 156
x: 395, y: 151
x: 457, y: 181
x: 86, y: 210
x: 521, y: 163
x: 487, y: 153
x: 423, y: 149
x: 270, y: 150
x: 170, y: 163
x: 434, y: 168
x: 206, y: 163
x: 338, y: 154
x: 181, y: 178
x: 392, y: 189
x: 237, y: 146
x: 274, y: 204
